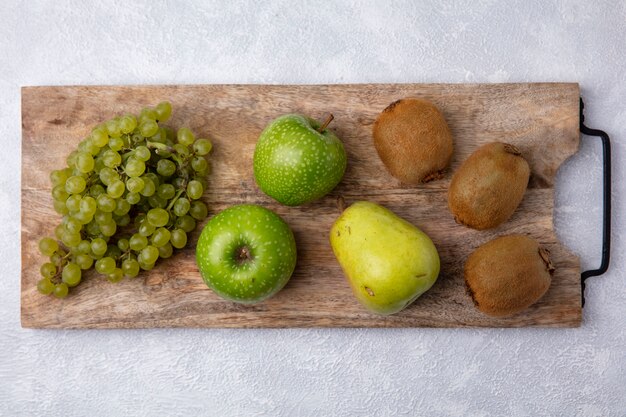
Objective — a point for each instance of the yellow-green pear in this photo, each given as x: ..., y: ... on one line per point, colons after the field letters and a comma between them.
x: 388, y: 262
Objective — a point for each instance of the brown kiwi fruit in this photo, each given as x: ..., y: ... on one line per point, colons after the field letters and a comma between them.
x: 488, y: 187
x: 413, y: 140
x: 508, y: 274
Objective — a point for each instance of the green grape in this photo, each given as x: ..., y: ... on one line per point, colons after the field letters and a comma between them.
x: 116, y: 143
x: 45, y: 286
x: 134, y: 185
x: 116, y: 275
x: 122, y: 208
x: 116, y: 189
x: 108, y: 228
x: 105, y: 265
x: 71, y: 239
x: 113, y: 252
x: 146, y: 228
x: 123, y: 244
x: 111, y: 159
x: 148, y: 128
x: 123, y: 220
x: 58, y: 177
x: 47, y: 246
x: 84, y: 162
x: 181, y: 207
x: 106, y: 203
x: 144, y: 265
x: 95, y: 190
x: 202, y: 180
x: 194, y: 190
x: 161, y: 137
x: 108, y: 175
x: 75, y: 184
x: 166, y: 251
x: 166, y: 167
x: 149, y: 188
x: 83, y: 217
x: 199, y: 164
x: 179, y: 182
x: 128, y: 123
x: 160, y: 237
x: 103, y: 216
x: 84, y: 261
x: 139, y: 219
x: 202, y: 146
x: 166, y: 191
x: 100, y: 137
x: 73, y: 202
x: 142, y: 153
x: 71, y: 274
x: 186, y: 223
x: 84, y: 247
x: 60, y: 290
x: 178, y: 238
x: 60, y: 207
x: 198, y: 210
x: 133, y: 198
x: 130, y: 268
x: 113, y: 127
x: 73, y: 226
x: 137, y: 242
x: 149, y: 254
x: 88, y: 205
x: 48, y: 270
x: 98, y: 246
x: 154, y: 177
x: 181, y: 149
x: 71, y: 159
x: 163, y: 111
x: 170, y: 134
x: 157, y: 202
x: 147, y: 114
x: 58, y: 231
x: 185, y: 136
x: 158, y: 217
x: 56, y: 258
x: 93, y: 229
x: 134, y: 167
x: 92, y: 148
x: 59, y: 193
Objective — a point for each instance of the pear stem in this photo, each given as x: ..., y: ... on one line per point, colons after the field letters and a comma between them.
x: 326, y: 123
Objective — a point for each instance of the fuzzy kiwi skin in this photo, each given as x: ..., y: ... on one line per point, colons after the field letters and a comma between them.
x: 413, y: 140
x: 488, y: 187
x: 508, y: 274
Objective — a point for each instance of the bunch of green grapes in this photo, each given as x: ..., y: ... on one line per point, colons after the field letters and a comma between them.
x: 130, y: 194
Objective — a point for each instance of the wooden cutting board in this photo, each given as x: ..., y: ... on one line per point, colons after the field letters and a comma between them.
x: 540, y: 119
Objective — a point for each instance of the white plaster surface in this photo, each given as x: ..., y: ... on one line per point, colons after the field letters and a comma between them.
x: 349, y: 372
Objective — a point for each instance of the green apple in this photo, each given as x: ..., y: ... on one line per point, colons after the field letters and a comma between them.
x: 298, y: 160
x: 389, y: 262
x: 246, y: 253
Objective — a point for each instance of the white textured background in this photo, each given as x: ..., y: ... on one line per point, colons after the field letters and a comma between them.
x: 576, y: 372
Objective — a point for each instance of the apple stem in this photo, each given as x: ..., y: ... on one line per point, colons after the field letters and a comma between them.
x: 243, y: 254
x: 326, y: 123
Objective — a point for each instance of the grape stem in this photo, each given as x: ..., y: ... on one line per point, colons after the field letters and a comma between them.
x: 178, y: 194
x: 161, y: 146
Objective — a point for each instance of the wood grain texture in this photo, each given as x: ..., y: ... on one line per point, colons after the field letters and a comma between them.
x: 540, y: 119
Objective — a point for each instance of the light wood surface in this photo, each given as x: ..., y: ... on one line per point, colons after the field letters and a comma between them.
x: 540, y: 119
